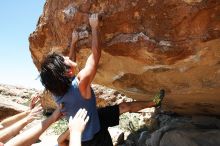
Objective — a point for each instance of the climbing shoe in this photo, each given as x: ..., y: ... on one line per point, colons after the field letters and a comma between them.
x: 158, y: 98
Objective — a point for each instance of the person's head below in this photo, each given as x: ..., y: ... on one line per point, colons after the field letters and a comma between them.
x: 56, y: 73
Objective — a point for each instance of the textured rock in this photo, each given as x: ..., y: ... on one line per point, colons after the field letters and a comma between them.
x: 198, y: 130
x: 147, y: 45
x: 174, y: 130
x: 13, y: 99
x: 9, y: 108
x: 192, y: 137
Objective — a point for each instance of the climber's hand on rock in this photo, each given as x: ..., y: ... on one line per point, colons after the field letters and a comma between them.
x: 74, y: 37
x: 93, y: 20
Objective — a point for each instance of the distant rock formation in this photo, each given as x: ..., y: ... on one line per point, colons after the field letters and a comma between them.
x: 147, y: 45
x: 14, y: 100
x: 9, y: 108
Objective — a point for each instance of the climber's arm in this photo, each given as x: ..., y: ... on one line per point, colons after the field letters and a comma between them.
x: 72, y: 53
x: 87, y: 74
x: 13, y: 119
x: 63, y: 139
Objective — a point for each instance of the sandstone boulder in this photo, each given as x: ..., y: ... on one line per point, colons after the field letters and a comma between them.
x: 147, y: 45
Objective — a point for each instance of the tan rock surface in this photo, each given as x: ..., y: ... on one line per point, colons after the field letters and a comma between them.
x: 9, y: 108
x: 14, y: 99
x: 147, y: 45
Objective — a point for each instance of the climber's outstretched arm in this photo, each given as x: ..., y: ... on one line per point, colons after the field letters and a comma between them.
x: 87, y: 74
x: 72, y: 53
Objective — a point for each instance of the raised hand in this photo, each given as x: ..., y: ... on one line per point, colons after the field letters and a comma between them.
x: 57, y: 114
x: 75, y: 36
x: 94, y: 21
x: 35, y: 113
x: 35, y: 99
x: 78, y: 123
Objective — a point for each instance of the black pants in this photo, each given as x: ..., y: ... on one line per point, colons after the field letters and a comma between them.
x: 108, y: 116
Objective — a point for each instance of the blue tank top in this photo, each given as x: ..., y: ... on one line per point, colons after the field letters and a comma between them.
x: 73, y: 101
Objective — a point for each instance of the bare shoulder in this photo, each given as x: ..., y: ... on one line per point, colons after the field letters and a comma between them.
x: 85, y: 90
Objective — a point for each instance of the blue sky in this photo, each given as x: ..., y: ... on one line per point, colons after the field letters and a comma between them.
x: 18, y: 18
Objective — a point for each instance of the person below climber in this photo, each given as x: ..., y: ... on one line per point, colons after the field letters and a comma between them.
x: 30, y: 136
x: 12, y: 126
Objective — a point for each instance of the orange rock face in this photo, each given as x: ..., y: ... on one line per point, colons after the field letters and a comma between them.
x: 146, y: 45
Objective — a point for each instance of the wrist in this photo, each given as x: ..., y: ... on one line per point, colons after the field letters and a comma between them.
x: 54, y: 117
x: 94, y: 28
x: 28, y: 119
x: 75, y: 133
x: 73, y: 42
x: 27, y: 112
x: 75, y: 130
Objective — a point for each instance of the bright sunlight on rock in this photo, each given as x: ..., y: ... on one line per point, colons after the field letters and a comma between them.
x: 146, y: 45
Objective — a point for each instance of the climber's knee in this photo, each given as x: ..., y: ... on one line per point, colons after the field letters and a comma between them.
x: 124, y: 107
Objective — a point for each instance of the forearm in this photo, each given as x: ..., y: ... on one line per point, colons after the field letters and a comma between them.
x: 64, y: 143
x: 75, y: 139
x: 12, y: 130
x: 11, y: 120
x: 88, y: 73
x: 63, y: 139
x: 93, y: 59
x: 31, y: 135
x: 72, y: 53
x: 95, y: 44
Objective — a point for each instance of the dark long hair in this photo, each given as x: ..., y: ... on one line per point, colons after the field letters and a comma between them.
x: 53, y: 74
